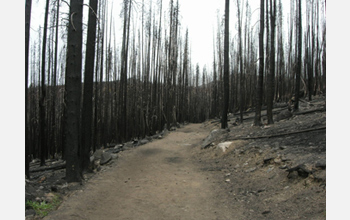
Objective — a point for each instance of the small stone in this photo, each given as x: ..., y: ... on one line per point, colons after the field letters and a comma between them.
x: 228, y: 174
x: 270, y: 169
x: 277, y: 160
x: 227, y: 180
x: 144, y: 141
x: 266, y: 212
x: 283, y: 167
x: 283, y: 147
x: 49, y: 197
x: 250, y: 170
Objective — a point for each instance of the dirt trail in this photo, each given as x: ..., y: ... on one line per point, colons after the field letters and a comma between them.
x: 159, y: 180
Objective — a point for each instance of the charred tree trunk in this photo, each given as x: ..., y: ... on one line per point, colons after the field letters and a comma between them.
x: 86, y: 122
x: 240, y: 57
x: 260, y: 89
x: 226, y: 66
x: 123, y: 72
x: 298, y: 68
x: 54, y: 92
x: 271, y: 73
x: 73, y: 92
x: 42, y: 103
x: 28, y: 9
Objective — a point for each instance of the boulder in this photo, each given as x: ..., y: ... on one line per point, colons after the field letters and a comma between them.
x: 285, y: 114
x: 98, y: 154
x: 213, y: 136
x: 105, y: 158
x: 224, y: 146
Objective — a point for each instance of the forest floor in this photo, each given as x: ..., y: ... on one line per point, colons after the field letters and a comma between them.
x: 269, y: 172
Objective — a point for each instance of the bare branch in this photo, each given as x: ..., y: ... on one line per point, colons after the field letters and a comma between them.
x: 71, y: 20
x: 98, y: 20
x: 66, y: 2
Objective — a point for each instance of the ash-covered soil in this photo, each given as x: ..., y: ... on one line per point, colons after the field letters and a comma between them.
x: 274, y: 171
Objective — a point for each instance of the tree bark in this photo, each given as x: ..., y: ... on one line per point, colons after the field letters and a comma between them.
x: 271, y: 73
x: 28, y: 9
x: 86, y: 141
x: 298, y: 68
x: 260, y: 89
x: 240, y: 57
x: 42, y: 102
x: 226, y: 66
x: 73, y: 92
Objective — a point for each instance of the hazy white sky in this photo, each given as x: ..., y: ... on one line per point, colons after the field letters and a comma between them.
x: 200, y: 16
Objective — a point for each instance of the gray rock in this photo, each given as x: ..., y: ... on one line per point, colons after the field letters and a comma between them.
x: 98, y: 154
x: 30, y: 213
x: 128, y: 145
x: 105, y: 158
x: 144, y: 141
x: 285, y: 114
x: 213, y: 136
x: 114, y: 150
x: 250, y: 170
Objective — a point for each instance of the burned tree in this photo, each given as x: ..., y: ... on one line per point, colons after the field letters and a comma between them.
x: 28, y: 9
x: 226, y: 66
x: 73, y: 92
x: 86, y: 141
x: 260, y: 89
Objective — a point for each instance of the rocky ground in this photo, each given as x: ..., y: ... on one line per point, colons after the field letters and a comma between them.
x: 273, y: 171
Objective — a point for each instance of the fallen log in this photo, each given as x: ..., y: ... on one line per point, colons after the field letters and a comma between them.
x: 309, y: 111
x: 276, y: 135
x: 51, y: 167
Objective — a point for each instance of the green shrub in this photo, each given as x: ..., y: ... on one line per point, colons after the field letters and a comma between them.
x: 43, y: 208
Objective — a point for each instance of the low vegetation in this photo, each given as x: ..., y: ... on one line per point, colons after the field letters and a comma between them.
x: 43, y: 208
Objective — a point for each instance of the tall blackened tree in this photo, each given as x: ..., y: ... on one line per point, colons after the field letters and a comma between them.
x: 271, y: 74
x: 124, y: 69
x: 298, y: 67
x: 28, y: 9
x: 42, y: 102
x: 259, y: 91
x: 226, y: 66
x: 73, y: 92
x: 86, y: 141
x: 240, y: 57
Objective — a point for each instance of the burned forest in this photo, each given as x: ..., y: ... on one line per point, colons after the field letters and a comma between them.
x: 103, y: 76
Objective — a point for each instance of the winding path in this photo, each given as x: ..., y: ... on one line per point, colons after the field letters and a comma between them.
x: 159, y: 180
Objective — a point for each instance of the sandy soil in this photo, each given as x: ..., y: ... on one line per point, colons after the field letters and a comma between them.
x: 159, y: 180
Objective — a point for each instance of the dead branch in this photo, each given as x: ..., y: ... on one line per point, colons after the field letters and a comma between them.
x: 276, y: 135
